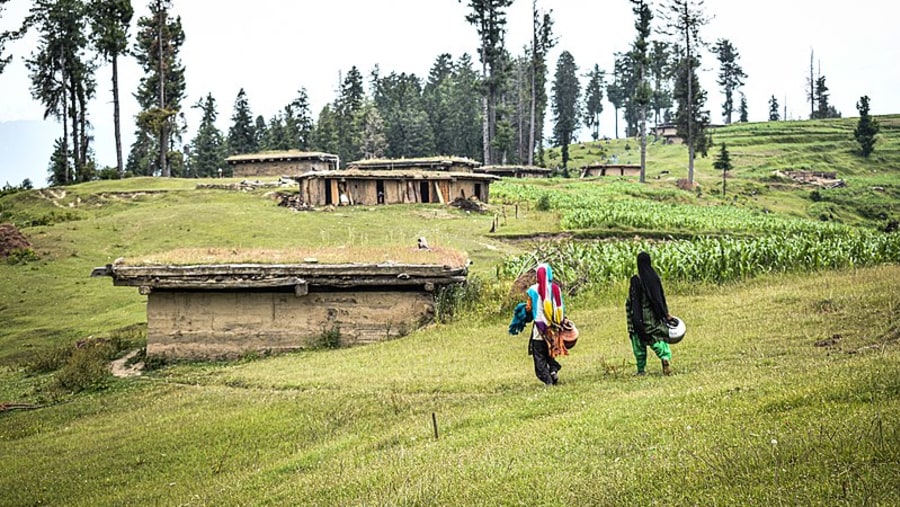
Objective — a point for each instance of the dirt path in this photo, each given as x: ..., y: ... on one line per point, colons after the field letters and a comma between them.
x: 120, y: 369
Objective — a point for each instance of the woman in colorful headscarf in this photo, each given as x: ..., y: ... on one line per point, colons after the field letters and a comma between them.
x: 648, y: 313
x: 545, y: 305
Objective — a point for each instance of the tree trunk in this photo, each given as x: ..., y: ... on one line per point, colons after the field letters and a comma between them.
x: 120, y: 167
x: 690, y: 97
x: 485, y: 118
x: 164, y: 125
x: 76, y: 146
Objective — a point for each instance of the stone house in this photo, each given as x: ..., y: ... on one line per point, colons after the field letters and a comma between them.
x: 610, y: 170
x: 281, y: 163
x: 229, y: 310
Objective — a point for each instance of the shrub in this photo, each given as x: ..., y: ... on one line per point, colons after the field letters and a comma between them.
x: 543, y: 203
x: 86, y: 369
x: 21, y: 256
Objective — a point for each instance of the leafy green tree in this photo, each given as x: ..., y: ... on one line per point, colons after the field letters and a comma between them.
x: 731, y: 75
x: 207, y: 153
x: 723, y: 163
x: 62, y: 75
x: 642, y: 93
x: 161, y: 89
x: 565, y: 104
x: 684, y: 20
x: 743, y: 109
x: 489, y: 19
x: 866, y: 129
x: 242, y: 136
x: 593, y: 100
x: 110, y: 21
x: 773, y: 109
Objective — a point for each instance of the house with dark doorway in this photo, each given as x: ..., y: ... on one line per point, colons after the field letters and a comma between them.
x: 445, y: 164
x: 281, y: 163
x: 406, y: 186
x: 515, y: 171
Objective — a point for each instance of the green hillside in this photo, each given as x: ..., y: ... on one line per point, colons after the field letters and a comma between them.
x: 786, y: 388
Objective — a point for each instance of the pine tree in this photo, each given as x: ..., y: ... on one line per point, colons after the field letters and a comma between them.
x: 110, y: 21
x: 866, y: 129
x: 723, y: 163
x: 325, y: 134
x: 161, y: 89
x: 743, y: 110
x: 731, y: 75
x: 542, y: 41
x: 62, y: 75
x: 260, y: 130
x: 616, y: 91
x: 661, y: 75
x: 348, y: 118
x: 691, y: 117
x: 298, y: 122
x: 489, y: 19
x: 685, y: 17
x: 374, y: 142
x: 773, y: 109
x: 207, y: 153
x: 565, y: 104
x: 823, y: 108
x: 593, y: 100
x: 4, y: 37
x: 642, y: 92
x: 59, y: 164
x: 398, y: 98
x: 242, y: 136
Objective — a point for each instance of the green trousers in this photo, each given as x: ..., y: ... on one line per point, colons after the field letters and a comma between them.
x: 661, y: 349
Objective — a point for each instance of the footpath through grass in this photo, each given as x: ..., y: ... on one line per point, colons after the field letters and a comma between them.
x: 787, y: 391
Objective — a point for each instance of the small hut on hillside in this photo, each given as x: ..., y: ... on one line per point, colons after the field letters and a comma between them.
x: 229, y: 310
x: 445, y: 164
x: 280, y: 163
x: 610, y: 170
x: 515, y: 171
x: 668, y: 132
x: 356, y: 186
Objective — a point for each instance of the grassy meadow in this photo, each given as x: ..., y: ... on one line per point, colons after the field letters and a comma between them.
x: 786, y: 389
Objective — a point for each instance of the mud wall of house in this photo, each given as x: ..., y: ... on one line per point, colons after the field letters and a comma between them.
x: 231, y: 324
x: 280, y: 168
x: 467, y: 188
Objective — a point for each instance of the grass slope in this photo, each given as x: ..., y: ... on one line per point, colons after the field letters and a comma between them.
x: 756, y: 414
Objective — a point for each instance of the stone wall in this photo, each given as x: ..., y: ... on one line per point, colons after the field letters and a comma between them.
x: 221, y: 324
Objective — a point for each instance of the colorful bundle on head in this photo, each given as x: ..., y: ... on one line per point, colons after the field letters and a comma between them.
x: 546, y: 297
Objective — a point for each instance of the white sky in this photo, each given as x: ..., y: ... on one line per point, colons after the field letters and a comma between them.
x: 271, y: 48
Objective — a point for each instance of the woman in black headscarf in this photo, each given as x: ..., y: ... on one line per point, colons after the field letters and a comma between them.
x: 648, y: 313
